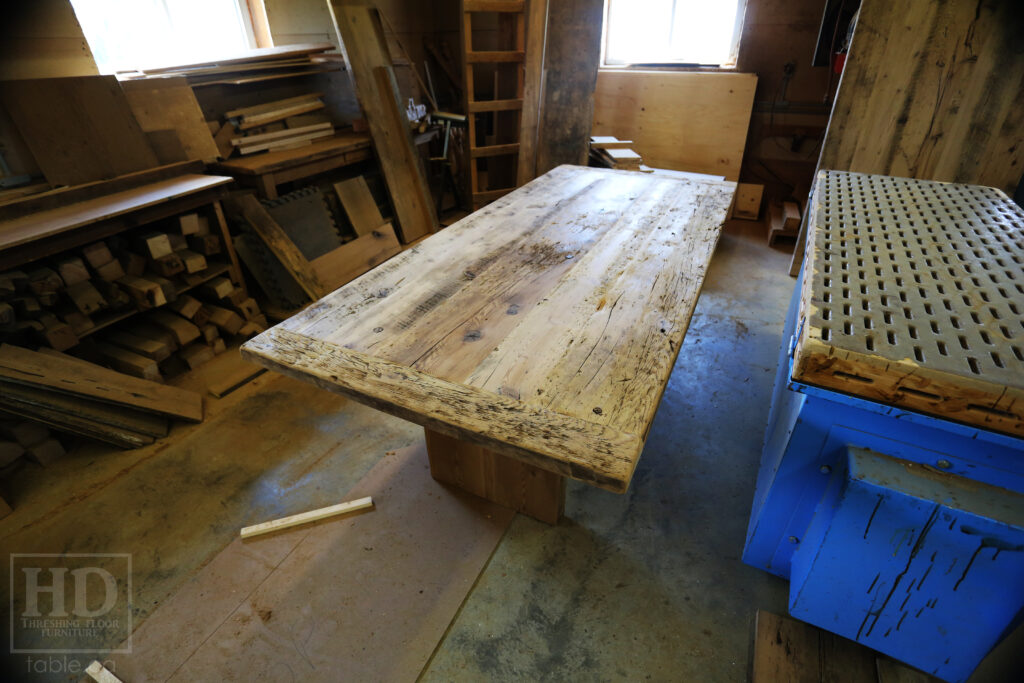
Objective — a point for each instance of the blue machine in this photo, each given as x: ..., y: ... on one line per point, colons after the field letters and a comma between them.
x: 898, y: 530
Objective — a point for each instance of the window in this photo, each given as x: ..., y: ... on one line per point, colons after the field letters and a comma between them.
x: 696, y: 32
x: 141, y: 34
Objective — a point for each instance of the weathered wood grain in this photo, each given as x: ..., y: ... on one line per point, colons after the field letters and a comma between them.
x: 561, y: 306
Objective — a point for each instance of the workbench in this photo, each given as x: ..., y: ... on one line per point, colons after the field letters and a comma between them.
x: 891, y: 487
x: 532, y: 339
x: 266, y: 171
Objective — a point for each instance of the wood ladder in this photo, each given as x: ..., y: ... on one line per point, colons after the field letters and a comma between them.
x: 506, y: 9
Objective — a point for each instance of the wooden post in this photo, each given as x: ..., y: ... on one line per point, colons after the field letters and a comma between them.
x: 498, y: 478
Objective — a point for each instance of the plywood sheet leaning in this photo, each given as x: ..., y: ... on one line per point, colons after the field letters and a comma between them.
x: 544, y: 328
x: 913, y: 296
x: 169, y: 103
x: 359, y: 205
x: 681, y: 121
x: 366, y: 53
x: 78, y: 129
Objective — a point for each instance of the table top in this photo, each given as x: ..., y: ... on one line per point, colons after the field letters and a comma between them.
x: 272, y: 162
x: 913, y: 295
x: 543, y: 326
x: 49, y: 222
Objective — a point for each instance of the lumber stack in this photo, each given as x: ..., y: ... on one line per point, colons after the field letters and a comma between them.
x: 78, y: 397
x: 281, y: 124
x: 607, y: 151
x: 254, y: 66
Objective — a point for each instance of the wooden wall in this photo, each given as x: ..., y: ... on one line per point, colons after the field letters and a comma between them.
x: 789, y: 118
x: 933, y: 90
x: 680, y: 120
x: 42, y: 39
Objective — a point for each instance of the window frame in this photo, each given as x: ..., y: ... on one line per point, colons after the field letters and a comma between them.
x: 730, y: 65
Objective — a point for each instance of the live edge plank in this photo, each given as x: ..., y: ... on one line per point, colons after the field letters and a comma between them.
x: 564, y: 445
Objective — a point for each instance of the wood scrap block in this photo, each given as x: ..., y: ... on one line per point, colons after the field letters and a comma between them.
x: 132, y: 263
x: 24, y: 432
x: 151, y: 331
x: 146, y: 293
x: 152, y: 348
x: 195, y: 355
x: 194, y: 262
x: 250, y: 328
x: 223, y: 140
x: 155, y: 244
x: 359, y: 205
x: 56, y: 334
x: 203, y: 226
x: 226, y: 320
x: 237, y: 296
x: 6, y: 313
x: 27, y: 306
x: 169, y: 289
x: 219, y: 346
x: 115, y: 297
x: 790, y: 216
x: 97, y: 254
x: 747, y: 201
x: 207, y: 245
x: 86, y: 298
x: 201, y: 317
x: 48, y: 299
x: 609, y: 142
x: 126, y: 361
x: 210, y: 332
x: 624, y: 158
x: 186, y: 306
x: 178, y: 242
x: 45, y: 452
x: 78, y: 321
x: 42, y: 280
x: 72, y: 270
x: 218, y: 287
x: 113, y: 271
x: 249, y: 308
x: 167, y: 266
x: 184, y: 331
x: 189, y: 223
x: 9, y: 452
x: 7, y: 287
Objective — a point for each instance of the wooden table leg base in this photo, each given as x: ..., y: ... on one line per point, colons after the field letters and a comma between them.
x: 503, y: 480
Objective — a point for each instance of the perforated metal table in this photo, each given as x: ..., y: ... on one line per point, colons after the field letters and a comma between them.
x: 891, y: 482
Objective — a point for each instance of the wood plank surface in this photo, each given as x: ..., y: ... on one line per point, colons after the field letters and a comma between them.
x: 79, y: 129
x: 536, y: 25
x: 366, y: 53
x: 682, y: 121
x: 54, y: 221
x: 791, y: 651
x: 170, y: 103
x: 72, y: 376
x: 274, y: 162
x: 543, y: 327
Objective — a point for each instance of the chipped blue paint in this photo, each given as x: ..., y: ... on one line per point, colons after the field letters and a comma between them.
x: 929, y: 582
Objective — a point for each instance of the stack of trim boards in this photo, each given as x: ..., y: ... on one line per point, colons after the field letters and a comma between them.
x: 283, y: 124
x: 609, y: 152
x: 254, y: 66
x: 78, y: 397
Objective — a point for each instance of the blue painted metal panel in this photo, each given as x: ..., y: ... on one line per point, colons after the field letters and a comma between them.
x: 806, y: 445
x: 927, y: 567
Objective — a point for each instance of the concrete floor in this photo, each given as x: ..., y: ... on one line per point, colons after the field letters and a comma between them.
x: 646, y: 585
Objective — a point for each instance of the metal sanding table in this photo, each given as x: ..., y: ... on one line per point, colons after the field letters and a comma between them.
x: 891, y: 482
x: 532, y: 339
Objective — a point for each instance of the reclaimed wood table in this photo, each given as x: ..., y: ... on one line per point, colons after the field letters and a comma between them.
x: 532, y: 339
